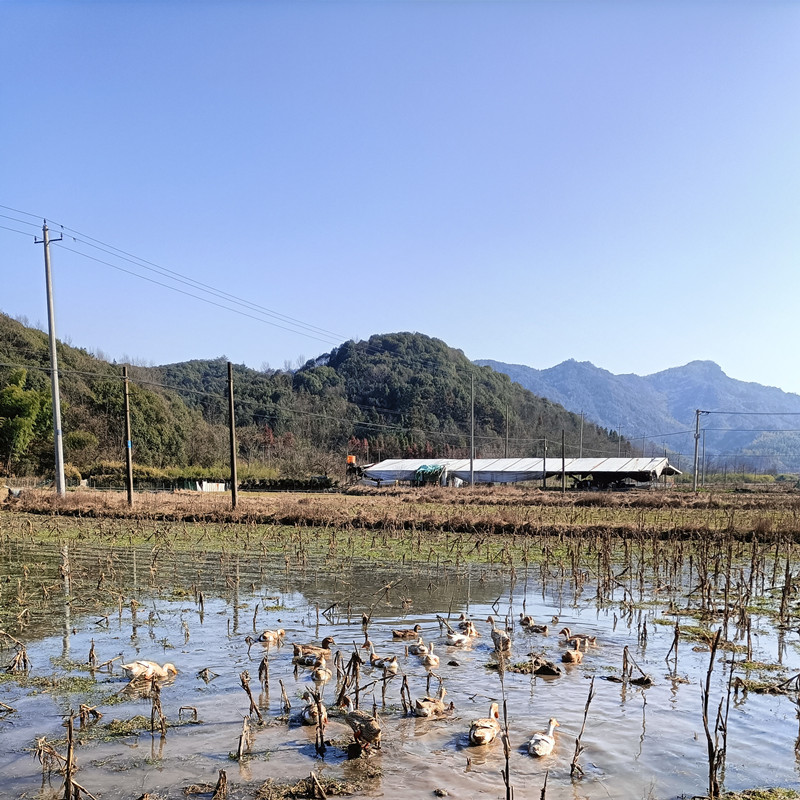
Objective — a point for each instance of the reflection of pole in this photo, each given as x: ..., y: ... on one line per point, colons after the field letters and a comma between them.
x: 128, y: 451
x: 51, y: 329
x: 67, y: 606
x: 236, y: 601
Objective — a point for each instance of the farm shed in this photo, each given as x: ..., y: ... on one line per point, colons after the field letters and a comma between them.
x: 597, y: 471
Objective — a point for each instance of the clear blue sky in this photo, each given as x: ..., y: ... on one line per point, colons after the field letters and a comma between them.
x: 532, y: 181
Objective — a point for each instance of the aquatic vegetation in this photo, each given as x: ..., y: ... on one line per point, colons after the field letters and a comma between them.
x: 84, y: 595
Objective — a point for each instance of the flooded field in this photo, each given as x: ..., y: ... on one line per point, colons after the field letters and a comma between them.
x: 166, y: 595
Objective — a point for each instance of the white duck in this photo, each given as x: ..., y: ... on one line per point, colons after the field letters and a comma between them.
x: 430, y: 706
x: 419, y: 648
x: 541, y: 743
x: 458, y: 639
x: 485, y: 730
x: 148, y: 670
x: 430, y: 660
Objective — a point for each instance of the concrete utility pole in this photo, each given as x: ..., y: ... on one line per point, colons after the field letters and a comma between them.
x: 472, y: 432
x: 696, y: 447
x: 580, y: 449
x: 58, y: 442
x: 234, y: 487
x: 128, y: 445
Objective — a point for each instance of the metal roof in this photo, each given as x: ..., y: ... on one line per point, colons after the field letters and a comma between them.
x: 512, y: 470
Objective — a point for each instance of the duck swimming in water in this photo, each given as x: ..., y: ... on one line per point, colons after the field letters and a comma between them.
x: 309, y: 654
x: 501, y: 639
x: 573, y: 656
x: 272, y: 637
x: 430, y: 706
x: 366, y: 729
x: 485, y: 730
x: 148, y: 670
x: 419, y: 648
x: 541, y: 743
x: 584, y: 638
x: 310, y: 714
x: 406, y: 633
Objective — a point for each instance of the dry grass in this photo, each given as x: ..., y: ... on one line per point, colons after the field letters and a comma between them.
x: 502, y: 510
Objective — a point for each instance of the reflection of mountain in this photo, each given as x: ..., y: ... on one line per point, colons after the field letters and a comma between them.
x: 665, y: 402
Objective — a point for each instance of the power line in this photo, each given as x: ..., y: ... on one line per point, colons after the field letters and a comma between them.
x: 753, y: 430
x: 24, y: 233
x: 190, y: 294
x: 327, y: 337
x: 757, y: 413
x: 180, y: 278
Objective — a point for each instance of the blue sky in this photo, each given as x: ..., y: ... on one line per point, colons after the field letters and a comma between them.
x: 609, y: 181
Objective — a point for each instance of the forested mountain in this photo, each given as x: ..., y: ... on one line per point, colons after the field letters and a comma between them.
x: 399, y: 394
x: 91, y: 408
x: 665, y: 402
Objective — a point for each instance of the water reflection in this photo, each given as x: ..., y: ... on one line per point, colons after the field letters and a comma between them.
x: 197, y: 610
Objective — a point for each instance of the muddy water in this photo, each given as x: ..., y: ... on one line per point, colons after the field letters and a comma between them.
x: 638, y: 742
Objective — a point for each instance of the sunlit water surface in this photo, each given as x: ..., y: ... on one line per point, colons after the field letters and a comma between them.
x: 638, y: 742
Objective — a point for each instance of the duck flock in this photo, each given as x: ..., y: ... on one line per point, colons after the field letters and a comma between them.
x: 322, y: 665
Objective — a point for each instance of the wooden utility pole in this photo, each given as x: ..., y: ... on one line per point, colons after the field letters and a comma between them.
x: 505, y: 450
x: 703, y: 467
x: 544, y: 465
x: 58, y: 441
x: 232, y: 423
x: 128, y: 445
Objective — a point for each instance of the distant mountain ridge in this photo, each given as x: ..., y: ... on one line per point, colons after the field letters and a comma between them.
x: 664, y: 403
x: 397, y: 394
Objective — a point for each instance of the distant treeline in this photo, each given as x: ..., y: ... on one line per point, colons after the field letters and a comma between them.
x: 395, y: 395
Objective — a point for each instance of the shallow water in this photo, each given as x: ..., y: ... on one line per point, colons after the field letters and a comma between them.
x: 638, y: 742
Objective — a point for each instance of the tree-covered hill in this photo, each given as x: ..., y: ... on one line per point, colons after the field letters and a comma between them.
x: 168, y: 432
x: 400, y: 394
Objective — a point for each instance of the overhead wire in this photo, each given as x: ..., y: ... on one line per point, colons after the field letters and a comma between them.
x: 293, y: 325
x: 190, y: 294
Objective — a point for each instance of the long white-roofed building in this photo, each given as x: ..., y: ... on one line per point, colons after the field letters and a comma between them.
x: 599, y: 472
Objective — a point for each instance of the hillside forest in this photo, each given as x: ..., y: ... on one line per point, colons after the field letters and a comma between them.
x: 394, y: 395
